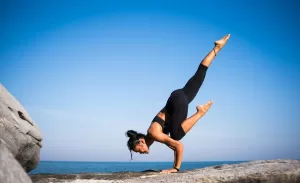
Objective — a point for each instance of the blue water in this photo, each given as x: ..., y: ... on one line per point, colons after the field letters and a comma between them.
x: 68, y: 167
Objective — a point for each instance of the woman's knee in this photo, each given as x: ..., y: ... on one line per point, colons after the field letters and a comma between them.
x: 179, y: 134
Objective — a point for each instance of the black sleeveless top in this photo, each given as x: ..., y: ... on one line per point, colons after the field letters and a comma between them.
x: 162, y: 123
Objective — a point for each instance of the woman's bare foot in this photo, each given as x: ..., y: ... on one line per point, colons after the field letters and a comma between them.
x: 202, y: 109
x: 220, y: 43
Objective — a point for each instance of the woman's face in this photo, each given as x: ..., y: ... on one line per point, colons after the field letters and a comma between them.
x: 141, y: 147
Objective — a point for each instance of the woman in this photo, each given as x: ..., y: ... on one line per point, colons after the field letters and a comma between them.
x: 172, y: 119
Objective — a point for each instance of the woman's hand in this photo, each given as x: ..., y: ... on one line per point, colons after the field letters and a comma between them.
x: 172, y: 170
x: 173, y: 144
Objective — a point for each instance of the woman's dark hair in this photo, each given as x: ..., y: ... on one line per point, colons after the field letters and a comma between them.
x: 133, y: 139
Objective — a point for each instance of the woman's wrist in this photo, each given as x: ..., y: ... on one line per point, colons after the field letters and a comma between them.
x: 176, y: 169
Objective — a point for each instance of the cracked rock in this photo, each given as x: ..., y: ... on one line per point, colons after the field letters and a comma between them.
x: 18, y: 131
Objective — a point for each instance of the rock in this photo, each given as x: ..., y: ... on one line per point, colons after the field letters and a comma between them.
x: 20, y: 133
x: 268, y: 171
x: 10, y: 170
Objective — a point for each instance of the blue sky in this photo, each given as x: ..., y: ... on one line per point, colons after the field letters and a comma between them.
x: 88, y: 71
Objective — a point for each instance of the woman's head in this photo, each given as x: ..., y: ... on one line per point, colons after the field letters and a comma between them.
x: 136, y: 142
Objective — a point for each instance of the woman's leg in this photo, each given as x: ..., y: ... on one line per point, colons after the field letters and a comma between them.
x: 193, y: 85
x: 177, y: 109
x: 188, y: 123
x: 177, y: 104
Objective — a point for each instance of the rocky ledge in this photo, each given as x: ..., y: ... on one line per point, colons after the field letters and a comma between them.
x: 264, y: 171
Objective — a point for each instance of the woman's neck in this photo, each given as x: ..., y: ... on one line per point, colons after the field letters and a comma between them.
x: 149, y: 141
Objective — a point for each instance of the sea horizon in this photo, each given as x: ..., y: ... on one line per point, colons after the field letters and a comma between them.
x: 76, y: 167
x: 137, y: 161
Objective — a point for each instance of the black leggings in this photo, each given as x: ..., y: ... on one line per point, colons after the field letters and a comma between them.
x: 177, y: 104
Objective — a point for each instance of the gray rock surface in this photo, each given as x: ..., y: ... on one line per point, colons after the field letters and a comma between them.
x: 20, y: 133
x: 10, y: 170
x: 272, y: 171
x: 265, y: 171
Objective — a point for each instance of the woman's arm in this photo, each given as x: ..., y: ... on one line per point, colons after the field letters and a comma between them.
x: 173, y: 144
x: 174, y: 154
x: 175, y: 159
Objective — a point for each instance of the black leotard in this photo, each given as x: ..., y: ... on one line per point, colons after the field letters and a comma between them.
x: 177, y: 105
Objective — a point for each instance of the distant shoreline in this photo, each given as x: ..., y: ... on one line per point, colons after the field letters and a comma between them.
x: 134, y: 161
x: 287, y: 171
x: 75, y: 167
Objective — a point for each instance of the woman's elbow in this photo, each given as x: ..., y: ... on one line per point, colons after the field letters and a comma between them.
x: 179, y: 146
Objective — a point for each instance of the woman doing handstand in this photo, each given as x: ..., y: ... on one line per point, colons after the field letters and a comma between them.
x: 172, y: 119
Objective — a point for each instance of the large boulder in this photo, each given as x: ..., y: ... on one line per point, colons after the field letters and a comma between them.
x: 20, y: 133
x: 10, y: 170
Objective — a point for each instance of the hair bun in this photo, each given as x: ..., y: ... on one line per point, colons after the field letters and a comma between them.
x: 131, y: 133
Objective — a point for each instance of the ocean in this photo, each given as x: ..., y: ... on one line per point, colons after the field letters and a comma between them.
x: 70, y: 167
